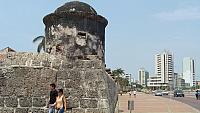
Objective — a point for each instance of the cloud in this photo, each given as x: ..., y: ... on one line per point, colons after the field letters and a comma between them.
x: 192, y: 13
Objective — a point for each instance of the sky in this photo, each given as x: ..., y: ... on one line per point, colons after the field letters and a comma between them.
x: 137, y: 29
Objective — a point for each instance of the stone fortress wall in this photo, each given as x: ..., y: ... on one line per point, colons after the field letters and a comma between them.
x: 74, y: 59
x: 25, y: 78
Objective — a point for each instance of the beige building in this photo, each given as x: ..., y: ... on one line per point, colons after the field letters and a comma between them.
x: 143, y: 75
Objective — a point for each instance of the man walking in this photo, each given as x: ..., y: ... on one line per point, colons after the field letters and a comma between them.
x: 52, y: 99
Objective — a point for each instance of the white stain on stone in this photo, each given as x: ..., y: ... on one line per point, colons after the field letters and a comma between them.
x: 59, y: 30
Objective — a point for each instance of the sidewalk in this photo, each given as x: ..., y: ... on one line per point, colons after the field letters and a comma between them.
x: 147, y: 103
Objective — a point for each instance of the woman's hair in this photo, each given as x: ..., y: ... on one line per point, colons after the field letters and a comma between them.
x: 60, y: 91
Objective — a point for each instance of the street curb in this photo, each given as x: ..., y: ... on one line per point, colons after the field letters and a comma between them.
x: 196, y: 110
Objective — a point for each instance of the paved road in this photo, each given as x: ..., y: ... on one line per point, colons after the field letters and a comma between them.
x: 188, y: 99
x: 147, y: 103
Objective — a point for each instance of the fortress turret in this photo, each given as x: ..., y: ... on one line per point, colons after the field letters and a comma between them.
x: 76, y: 31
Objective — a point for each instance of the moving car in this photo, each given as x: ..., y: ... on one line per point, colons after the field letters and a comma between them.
x: 178, y: 93
x: 165, y: 92
x: 197, y: 94
x: 158, y: 93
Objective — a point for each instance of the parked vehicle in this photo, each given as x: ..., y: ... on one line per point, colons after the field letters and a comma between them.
x: 197, y: 94
x: 165, y: 92
x: 178, y: 93
x: 158, y: 93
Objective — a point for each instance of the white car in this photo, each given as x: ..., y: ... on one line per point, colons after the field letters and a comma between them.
x: 158, y: 93
x: 165, y: 92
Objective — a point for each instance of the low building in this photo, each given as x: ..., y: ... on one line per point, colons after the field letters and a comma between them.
x: 155, y: 82
x: 179, y: 82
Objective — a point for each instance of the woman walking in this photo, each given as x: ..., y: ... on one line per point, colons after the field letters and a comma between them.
x: 61, y: 102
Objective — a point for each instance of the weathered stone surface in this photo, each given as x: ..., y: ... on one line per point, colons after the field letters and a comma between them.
x: 75, y: 46
x: 78, y: 110
x: 39, y: 102
x: 90, y: 110
x: 11, y: 102
x: 21, y: 110
x: 6, y: 110
x: 1, y: 102
x: 46, y: 110
x: 103, y: 103
x: 92, y: 94
x: 73, y: 102
x: 105, y: 111
x: 88, y: 103
x: 36, y: 110
x: 25, y: 102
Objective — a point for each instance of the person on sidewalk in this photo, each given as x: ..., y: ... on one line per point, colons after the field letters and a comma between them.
x: 130, y: 93
x: 134, y: 93
x: 52, y: 99
x: 61, y: 106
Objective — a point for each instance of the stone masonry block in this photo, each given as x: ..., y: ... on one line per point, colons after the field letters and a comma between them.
x: 25, y: 102
x: 89, y: 103
x: 7, y: 110
x: 103, y: 93
x: 39, y: 102
x: 1, y: 102
x: 72, y: 84
x: 21, y: 110
x: 91, y: 110
x: 11, y: 102
x: 78, y: 110
x: 104, y: 111
x: 36, y: 110
x: 92, y: 94
x: 103, y: 103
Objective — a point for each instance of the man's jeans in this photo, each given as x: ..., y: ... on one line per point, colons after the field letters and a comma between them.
x: 52, y: 110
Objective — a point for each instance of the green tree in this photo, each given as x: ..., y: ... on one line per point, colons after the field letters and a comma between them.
x: 119, y: 77
x: 41, y: 45
x: 118, y: 72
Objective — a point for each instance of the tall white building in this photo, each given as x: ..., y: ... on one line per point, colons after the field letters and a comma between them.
x: 164, y: 67
x: 164, y: 72
x: 143, y: 75
x: 189, y: 71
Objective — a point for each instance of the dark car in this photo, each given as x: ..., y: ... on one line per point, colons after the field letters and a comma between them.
x: 198, y: 94
x: 178, y: 93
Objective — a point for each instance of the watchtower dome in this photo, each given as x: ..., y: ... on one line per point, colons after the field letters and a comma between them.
x: 76, y: 31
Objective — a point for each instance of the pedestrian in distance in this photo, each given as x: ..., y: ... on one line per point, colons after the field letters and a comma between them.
x: 130, y: 93
x: 52, y: 98
x: 134, y: 93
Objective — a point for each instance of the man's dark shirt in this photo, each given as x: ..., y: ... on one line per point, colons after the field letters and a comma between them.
x: 53, y: 95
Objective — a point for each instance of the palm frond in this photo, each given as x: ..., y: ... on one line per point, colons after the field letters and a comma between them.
x: 38, y: 38
x: 43, y: 44
x: 40, y: 46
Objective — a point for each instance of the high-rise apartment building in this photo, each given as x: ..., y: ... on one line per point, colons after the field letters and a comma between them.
x: 143, y: 75
x: 164, y: 67
x: 164, y: 72
x: 189, y: 71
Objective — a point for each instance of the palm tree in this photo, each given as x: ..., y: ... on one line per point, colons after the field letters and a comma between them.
x: 41, y: 44
x: 118, y: 74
